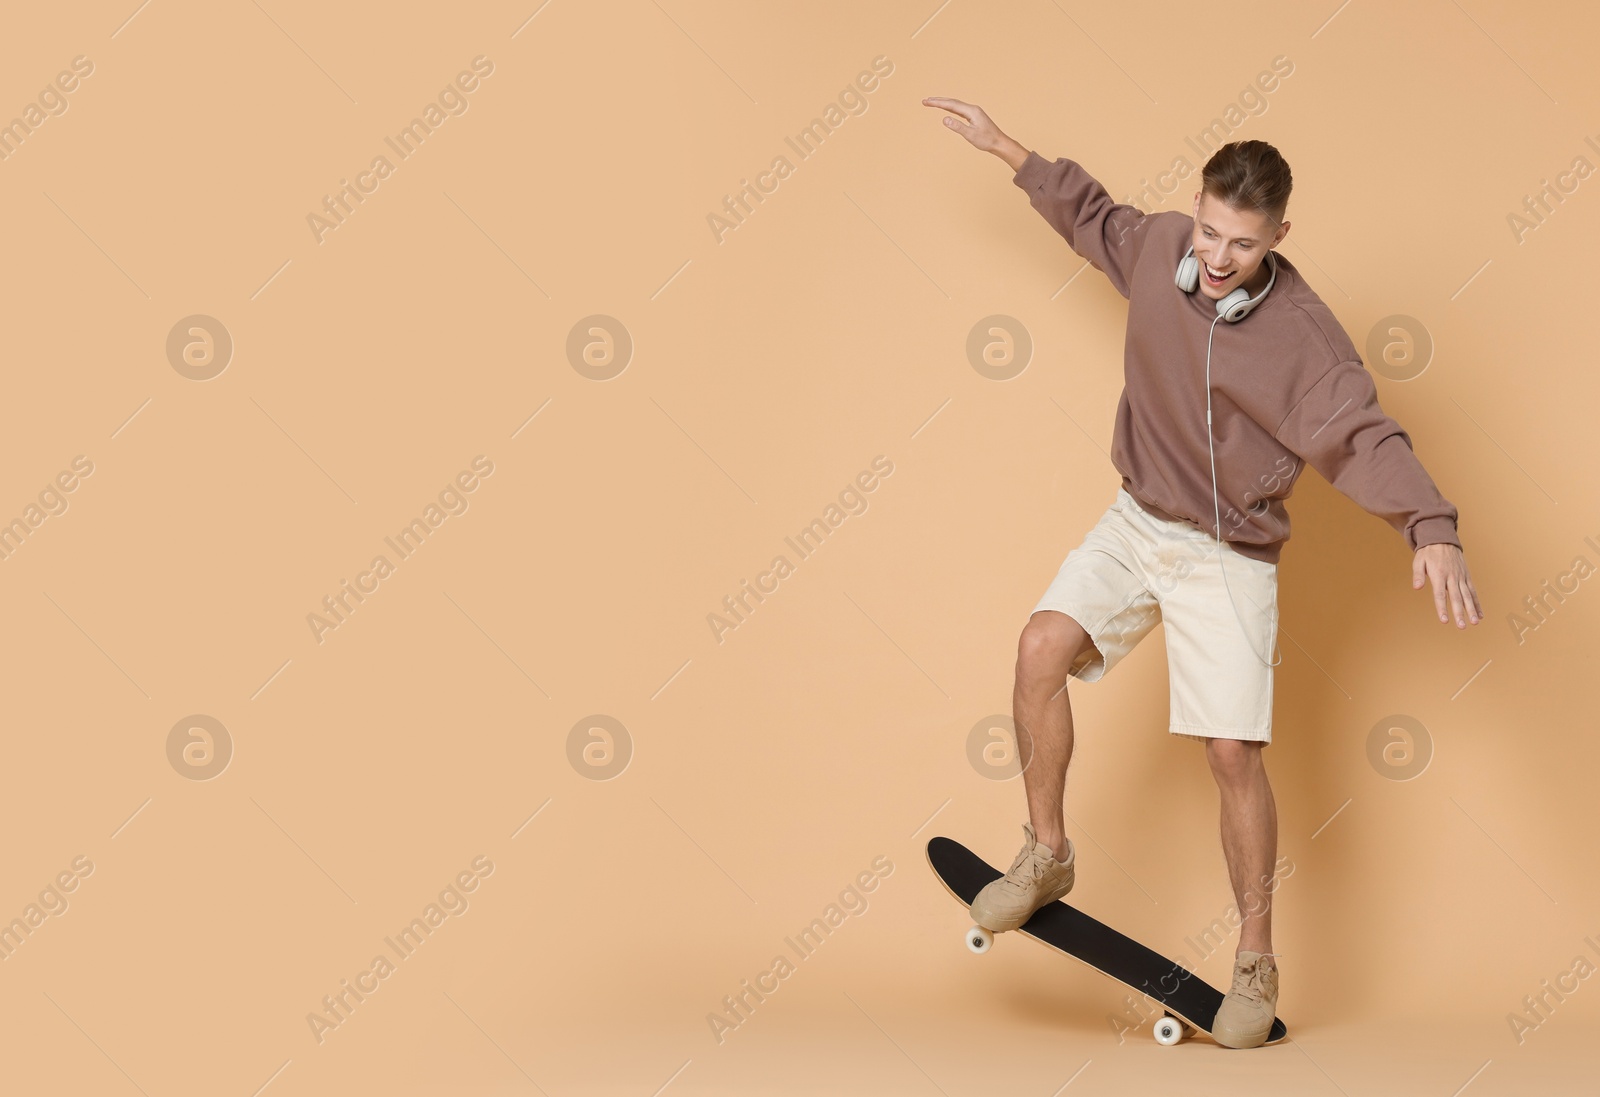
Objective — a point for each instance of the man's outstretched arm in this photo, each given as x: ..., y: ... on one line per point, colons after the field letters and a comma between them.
x: 1339, y: 429
x: 1104, y: 232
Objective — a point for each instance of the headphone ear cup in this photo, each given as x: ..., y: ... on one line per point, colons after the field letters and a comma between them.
x: 1188, y: 278
x: 1236, y: 306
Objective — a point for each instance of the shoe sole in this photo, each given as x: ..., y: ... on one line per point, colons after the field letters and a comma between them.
x: 1019, y: 925
x: 1233, y: 1040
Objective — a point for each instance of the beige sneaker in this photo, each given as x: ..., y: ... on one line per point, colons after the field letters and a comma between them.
x: 1035, y: 878
x: 1246, y: 1015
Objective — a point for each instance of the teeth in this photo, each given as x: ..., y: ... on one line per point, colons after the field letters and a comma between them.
x: 1214, y: 272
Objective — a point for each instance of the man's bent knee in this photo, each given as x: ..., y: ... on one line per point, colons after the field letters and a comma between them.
x: 1049, y: 644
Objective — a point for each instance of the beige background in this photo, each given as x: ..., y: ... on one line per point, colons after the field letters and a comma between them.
x: 766, y: 771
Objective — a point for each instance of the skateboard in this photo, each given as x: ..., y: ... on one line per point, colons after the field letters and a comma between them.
x: 1190, y: 1003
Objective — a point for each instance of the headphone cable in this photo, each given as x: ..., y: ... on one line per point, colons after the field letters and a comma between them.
x: 1216, y: 510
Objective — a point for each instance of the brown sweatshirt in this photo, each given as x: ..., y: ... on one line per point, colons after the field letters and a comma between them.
x: 1287, y: 386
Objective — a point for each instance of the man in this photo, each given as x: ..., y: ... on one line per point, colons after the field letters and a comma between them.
x: 1236, y: 376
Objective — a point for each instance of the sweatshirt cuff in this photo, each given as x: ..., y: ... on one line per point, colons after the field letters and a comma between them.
x: 1434, y: 531
x: 1031, y: 172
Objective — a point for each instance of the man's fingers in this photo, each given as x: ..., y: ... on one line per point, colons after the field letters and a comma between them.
x: 1473, y: 605
x: 1438, y: 595
x: 954, y: 106
x: 1456, y: 602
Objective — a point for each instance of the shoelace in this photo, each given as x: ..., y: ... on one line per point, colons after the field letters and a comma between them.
x: 1249, y: 984
x: 1014, y: 877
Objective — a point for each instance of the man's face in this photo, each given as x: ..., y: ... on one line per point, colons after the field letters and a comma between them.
x: 1234, y: 242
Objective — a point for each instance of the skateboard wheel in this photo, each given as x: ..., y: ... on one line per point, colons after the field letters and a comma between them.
x: 979, y: 940
x: 1169, y: 1030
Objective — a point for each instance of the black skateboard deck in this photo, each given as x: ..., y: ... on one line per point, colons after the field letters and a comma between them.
x: 1181, y: 993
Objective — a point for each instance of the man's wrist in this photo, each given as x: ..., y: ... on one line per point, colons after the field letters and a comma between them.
x: 1441, y: 528
x: 1012, y: 152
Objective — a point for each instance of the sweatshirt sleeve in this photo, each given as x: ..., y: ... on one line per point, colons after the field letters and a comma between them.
x: 1106, y: 233
x: 1339, y: 430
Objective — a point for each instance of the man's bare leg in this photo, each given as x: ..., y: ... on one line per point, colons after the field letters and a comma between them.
x: 1249, y: 834
x: 1043, y: 715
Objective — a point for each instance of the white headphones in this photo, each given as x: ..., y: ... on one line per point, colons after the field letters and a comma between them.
x: 1232, y: 308
x: 1237, y: 305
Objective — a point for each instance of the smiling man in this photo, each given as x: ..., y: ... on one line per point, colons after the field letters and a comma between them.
x: 1236, y: 376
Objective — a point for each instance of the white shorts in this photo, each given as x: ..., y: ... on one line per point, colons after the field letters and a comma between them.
x: 1133, y: 570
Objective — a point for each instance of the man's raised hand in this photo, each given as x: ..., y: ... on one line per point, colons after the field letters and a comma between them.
x: 969, y: 121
